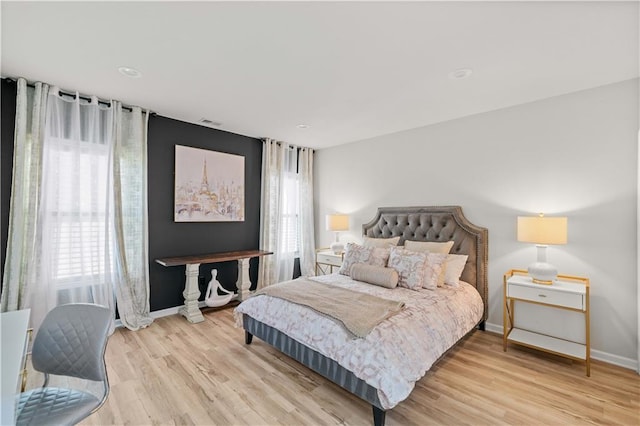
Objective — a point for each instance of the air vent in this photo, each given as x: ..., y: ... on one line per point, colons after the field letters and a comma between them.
x: 208, y: 122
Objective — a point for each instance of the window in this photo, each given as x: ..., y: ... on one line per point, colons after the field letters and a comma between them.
x: 76, y: 182
x: 290, y: 237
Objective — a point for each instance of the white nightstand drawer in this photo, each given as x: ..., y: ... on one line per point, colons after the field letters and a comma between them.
x: 548, y: 296
x: 329, y: 259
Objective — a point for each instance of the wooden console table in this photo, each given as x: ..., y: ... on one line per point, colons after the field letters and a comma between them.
x: 192, y: 264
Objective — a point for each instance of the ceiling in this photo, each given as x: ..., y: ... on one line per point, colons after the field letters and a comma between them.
x: 347, y: 70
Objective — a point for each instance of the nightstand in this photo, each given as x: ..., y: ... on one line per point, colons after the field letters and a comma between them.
x: 326, y: 260
x: 568, y: 293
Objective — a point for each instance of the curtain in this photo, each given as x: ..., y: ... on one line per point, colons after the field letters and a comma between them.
x: 286, y: 221
x: 130, y: 220
x: 307, y: 235
x: 18, y: 277
x: 75, y: 262
x: 90, y: 214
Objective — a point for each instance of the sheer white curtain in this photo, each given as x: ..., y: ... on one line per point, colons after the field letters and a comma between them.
x: 307, y: 247
x: 286, y: 221
x: 75, y: 262
x: 90, y: 218
x: 128, y: 212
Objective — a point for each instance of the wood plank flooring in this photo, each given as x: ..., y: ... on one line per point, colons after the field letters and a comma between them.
x: 175, y: 372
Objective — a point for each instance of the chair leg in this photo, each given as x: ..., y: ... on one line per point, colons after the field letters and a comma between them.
x: 46, y: 380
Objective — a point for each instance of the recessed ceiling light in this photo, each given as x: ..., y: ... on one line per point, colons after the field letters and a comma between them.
x: 130, y: 72
x: 303, y: 126
x: 460, y: 73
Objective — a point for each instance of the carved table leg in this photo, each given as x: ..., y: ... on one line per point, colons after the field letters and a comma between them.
x: 191, y: 294
x: 243, y: 283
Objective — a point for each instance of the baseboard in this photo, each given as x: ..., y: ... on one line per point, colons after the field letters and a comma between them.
x: 161, y: 313
x: 171, y: 311
x: 620, y: 361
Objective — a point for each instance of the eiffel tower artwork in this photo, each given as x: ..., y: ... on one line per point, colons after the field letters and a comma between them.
x: 209, y: 186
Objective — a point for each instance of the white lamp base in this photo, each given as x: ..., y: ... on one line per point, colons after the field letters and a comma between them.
x: 337, y: 247
x: 543, y: 273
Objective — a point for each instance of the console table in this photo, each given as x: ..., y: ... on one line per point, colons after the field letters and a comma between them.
x: 192, y: 264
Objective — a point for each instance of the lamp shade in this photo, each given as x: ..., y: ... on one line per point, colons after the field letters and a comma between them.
x: 542, y: 230
x: 337, y: 222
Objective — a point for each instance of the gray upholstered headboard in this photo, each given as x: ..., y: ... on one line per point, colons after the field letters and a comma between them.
x: 438, y: 224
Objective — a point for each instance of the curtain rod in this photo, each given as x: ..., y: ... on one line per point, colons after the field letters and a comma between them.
x: 264, y: 139
x: 83, y: 97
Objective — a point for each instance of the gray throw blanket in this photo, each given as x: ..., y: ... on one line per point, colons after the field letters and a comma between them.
x: 358, y: 312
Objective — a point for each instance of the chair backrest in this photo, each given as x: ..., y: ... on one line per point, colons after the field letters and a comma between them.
x: 71, y: 341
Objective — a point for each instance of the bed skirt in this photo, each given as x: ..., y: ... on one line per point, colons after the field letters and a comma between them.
x: 317, y: 362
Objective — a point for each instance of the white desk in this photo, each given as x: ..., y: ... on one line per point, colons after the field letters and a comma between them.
x: 13, y: 326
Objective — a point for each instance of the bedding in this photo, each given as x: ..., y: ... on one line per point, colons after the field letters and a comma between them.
x: 396, y: 353
x: 424, y: 246
x: 337, y: 303
x: 355, y: 253
x: 432, y: 321
x: 380, y: 242
x: 453, y: 268
x: 376, y: 275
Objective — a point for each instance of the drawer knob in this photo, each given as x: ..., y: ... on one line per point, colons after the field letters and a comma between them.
x: 542, y: 295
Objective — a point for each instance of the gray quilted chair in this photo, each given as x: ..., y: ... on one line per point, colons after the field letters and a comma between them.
x: 70, y: 342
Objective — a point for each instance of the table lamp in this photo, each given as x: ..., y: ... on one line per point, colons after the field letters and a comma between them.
x: 541, y: 231
x: 337, y: 223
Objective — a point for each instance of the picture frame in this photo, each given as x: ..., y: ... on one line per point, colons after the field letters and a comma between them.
x: 209, y: 186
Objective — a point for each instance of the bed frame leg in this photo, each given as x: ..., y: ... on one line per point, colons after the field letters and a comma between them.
x: 248, y: 337
x: 378, y: 416
x: 481, y: 326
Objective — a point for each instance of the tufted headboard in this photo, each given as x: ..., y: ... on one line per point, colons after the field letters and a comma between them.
x: 438, y: 224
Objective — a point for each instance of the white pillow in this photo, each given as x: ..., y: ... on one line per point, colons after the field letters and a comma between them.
x: 424, y: 246
x: 410, y: 266
x: 433, y: 269
x: 454, y: 266
x: 380, y: 242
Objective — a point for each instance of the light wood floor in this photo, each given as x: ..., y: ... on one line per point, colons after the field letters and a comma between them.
x: 179, y: 373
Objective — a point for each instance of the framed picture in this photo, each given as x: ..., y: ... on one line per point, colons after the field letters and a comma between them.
x: 209, y: 186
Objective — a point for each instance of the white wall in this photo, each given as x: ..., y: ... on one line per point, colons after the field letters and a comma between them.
x: 573, y: 155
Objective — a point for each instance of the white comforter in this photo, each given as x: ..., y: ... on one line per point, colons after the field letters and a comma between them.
x: 398, y: 352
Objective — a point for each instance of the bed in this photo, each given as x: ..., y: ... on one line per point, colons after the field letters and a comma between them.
x: 362, y: 366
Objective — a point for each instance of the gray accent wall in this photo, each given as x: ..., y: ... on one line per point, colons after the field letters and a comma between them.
x: 573, y: 155
x: 166, y: 237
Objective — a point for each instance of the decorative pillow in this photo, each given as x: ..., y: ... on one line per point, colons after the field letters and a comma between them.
x: 454, y: 266
x: 380, y: 242
x: 424, y: 246
x: 379, y: 256
x: 410, y: 267
x: 376, y: 275
x: 354, y: 253
x: 433, y: 269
